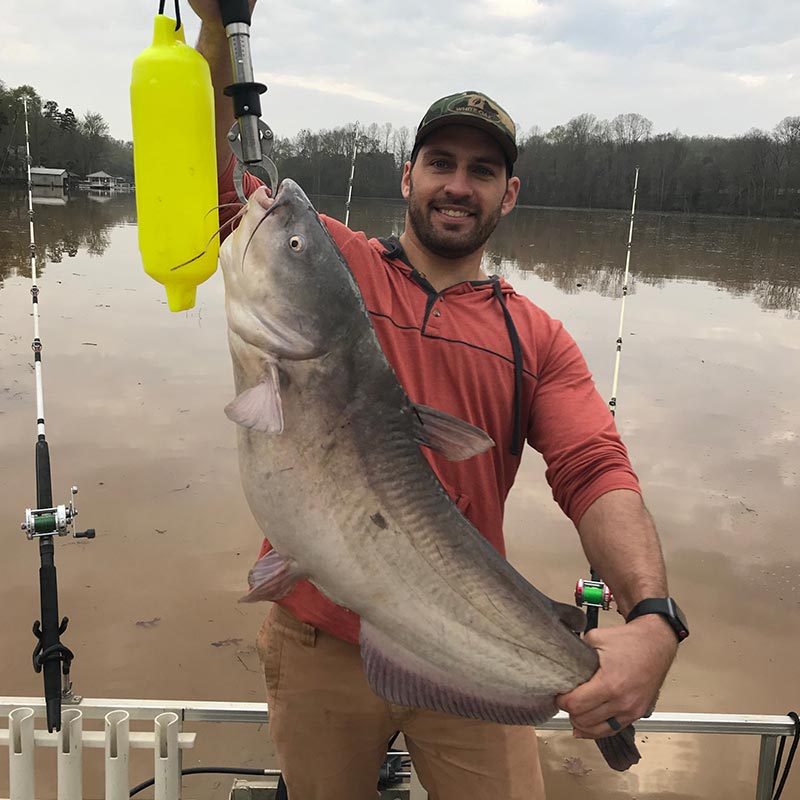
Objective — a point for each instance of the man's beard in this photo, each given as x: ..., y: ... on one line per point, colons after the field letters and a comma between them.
x: 450, y: 244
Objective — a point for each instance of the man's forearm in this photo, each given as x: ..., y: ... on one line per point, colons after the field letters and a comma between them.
x: 212, y: 44
x: 621, y: 543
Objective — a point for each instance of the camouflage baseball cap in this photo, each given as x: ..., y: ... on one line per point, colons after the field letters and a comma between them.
x: 471, y: 108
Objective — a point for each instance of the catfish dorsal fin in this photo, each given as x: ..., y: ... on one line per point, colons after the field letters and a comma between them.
x: 259, y: 407
x: 448, y: 435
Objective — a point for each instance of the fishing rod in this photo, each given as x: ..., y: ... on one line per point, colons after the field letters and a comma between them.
x: 352, y: 173
x: 612, y: 403
x: 46, y: 520
x: 594, y: 594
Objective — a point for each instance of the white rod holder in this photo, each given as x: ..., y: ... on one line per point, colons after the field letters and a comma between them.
x: 70, y: 755
x: 20, y: 754
x: 167, y: 756
x: 117, y: 750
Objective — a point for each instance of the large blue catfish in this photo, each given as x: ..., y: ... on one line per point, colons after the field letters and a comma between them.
x: 329, y: 450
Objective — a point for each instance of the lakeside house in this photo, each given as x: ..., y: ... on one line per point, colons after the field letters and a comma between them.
x: 100, y: 180
x: 46, y: 177
x: 103, y: 182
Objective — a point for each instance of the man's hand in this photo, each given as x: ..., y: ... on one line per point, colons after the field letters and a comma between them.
x: 634, y: 661
x: 213, y: 45
x: 208, y: 10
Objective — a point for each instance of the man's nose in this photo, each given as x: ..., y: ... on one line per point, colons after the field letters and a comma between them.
x: 459, y: 183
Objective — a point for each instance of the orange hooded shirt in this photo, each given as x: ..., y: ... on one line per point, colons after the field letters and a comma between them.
x: 483, y: 353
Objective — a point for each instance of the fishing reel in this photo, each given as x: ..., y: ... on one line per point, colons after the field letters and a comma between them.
x: 58, y: 521
x: 594, y: 594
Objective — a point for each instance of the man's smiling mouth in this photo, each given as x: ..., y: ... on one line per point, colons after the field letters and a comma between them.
x: 454, y: 213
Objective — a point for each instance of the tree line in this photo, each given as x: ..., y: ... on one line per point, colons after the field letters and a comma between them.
x: 59, y: 138
x: 585, y: 163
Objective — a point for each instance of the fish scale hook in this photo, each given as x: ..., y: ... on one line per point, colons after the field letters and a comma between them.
x: 177, y: 12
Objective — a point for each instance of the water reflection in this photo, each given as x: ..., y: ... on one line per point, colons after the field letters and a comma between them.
x: 709, y: 412
x: 585, y: 250
x: 49, y: 196
x: 575, y: 250
x: 64, y: 225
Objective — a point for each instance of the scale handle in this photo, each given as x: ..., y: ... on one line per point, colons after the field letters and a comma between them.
x: 234, y: 11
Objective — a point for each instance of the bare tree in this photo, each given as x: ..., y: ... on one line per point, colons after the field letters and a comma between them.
x: 94, y: 134
x: 629, y: 129
x: 401, y: 145
x: 583, y: 129
x: 387, y: 135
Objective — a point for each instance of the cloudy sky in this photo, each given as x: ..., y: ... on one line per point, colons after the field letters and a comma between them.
x: 717, y: 67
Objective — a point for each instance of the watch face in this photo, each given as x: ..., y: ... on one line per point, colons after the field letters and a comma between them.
x: 681, y: 628
x: 668, y: 608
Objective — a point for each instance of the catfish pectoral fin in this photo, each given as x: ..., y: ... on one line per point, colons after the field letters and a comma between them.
x: 271, y: 578
x: 260, y: 406
x: 408, y: 680
x: 449, y: 435
x: 620, y: 751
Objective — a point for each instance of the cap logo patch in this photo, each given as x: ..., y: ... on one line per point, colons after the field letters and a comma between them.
x: 474, y: 104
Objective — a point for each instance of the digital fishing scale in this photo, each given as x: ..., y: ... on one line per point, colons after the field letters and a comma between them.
x: 250, y: 138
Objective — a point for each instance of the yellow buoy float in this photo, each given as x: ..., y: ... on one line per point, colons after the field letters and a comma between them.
x: 172, y: 107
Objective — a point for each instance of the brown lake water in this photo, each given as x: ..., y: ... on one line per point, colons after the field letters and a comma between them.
x: 709, y: 406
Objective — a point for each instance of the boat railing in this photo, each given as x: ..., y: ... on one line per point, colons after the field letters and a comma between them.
x: 167, y: 740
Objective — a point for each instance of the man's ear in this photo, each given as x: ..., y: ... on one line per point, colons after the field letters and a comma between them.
x: 405, y: 180
x: 511, y: 195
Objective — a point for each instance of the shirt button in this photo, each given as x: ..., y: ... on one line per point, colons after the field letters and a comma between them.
x: 437, y: 313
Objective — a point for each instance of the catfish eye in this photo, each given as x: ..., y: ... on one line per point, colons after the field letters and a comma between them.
x: 297, y: 243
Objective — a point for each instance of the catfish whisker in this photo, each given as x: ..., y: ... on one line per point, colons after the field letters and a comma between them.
x: 233, y: 219
x: 223, y: 205
x: 258, y: 225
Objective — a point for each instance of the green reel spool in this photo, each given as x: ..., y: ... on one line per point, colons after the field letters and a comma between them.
x: 46, y: 523
x: 592, y: 593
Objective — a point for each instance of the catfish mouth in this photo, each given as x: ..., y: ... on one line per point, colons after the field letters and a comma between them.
x: 288, y: 194
x: 279, y: 202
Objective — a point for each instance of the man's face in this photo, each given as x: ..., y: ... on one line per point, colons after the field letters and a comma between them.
x: 457, y: 191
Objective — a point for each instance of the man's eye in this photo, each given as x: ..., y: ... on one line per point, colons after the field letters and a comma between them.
x: 440, y: 163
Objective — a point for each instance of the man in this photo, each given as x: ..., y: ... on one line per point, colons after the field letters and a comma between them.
x: 466, y: 343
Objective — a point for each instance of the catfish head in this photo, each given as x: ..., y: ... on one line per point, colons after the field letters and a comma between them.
x: 288, y: 289
x: 289, y: 295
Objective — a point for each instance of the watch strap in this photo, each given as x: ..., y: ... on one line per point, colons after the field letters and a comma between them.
x: 668, y: 609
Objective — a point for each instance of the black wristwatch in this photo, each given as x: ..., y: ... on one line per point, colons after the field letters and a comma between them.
x: 668, y: 609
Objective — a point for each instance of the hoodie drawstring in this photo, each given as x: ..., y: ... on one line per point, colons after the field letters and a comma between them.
x: 516, y: 350
x: 394, y: 250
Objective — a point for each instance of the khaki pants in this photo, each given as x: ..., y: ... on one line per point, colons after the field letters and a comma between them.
x: 331, y: 731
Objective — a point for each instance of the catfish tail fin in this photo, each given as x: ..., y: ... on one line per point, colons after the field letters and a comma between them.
x: 620, y: 751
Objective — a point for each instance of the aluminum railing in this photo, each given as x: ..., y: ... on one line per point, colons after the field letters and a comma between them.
x: 167, y: 739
